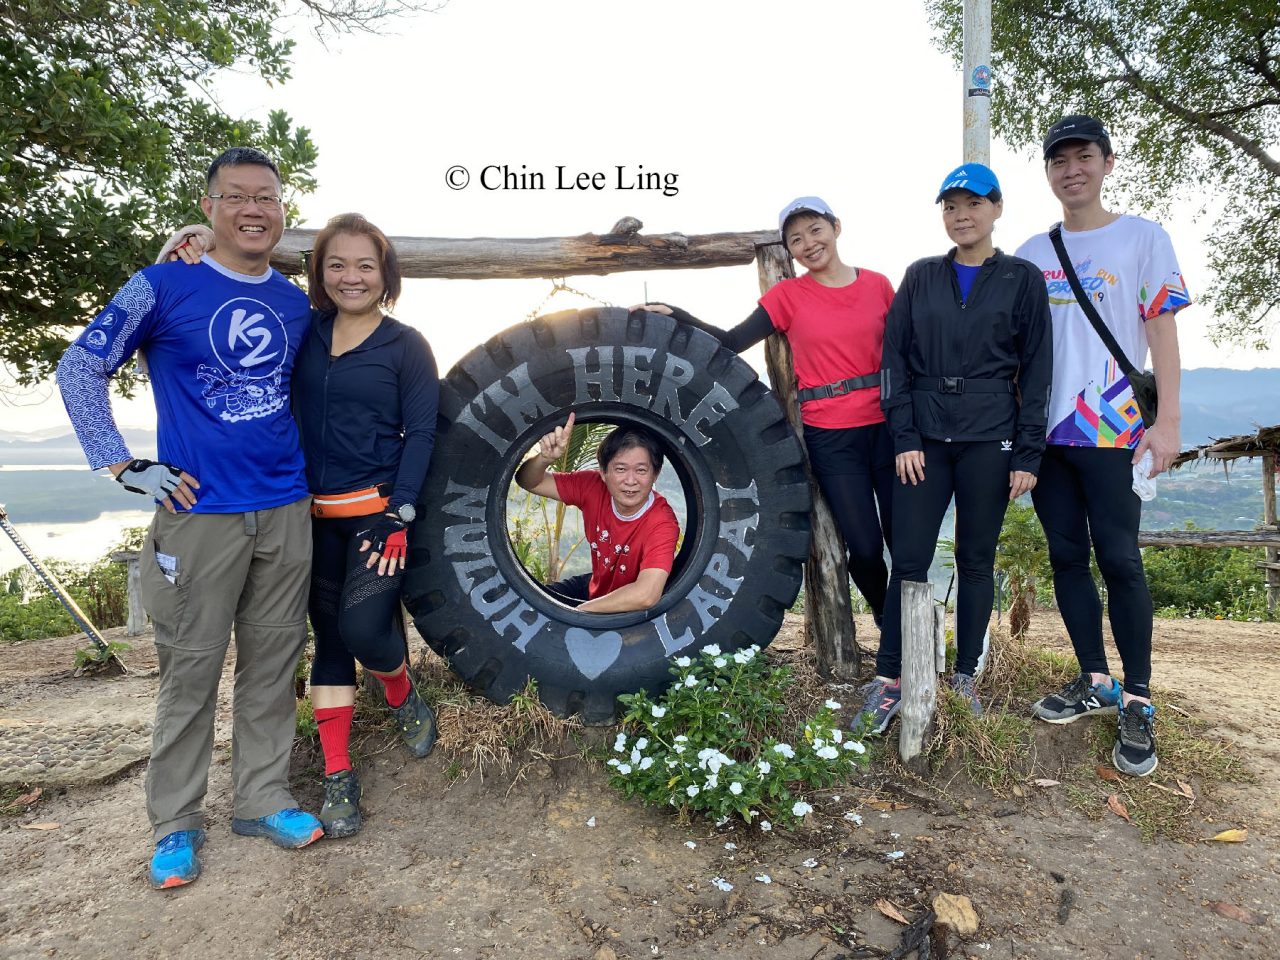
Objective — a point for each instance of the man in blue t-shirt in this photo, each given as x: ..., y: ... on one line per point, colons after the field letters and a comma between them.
x: 230, y: 542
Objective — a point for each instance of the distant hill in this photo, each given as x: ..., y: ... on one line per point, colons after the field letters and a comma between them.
x: 1217, y: 402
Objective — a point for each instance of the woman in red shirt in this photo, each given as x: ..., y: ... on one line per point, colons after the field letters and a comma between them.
x: 833, y: 316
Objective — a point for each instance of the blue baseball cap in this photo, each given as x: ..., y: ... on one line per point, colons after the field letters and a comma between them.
x: 974, y: 177
x: 814, y: 205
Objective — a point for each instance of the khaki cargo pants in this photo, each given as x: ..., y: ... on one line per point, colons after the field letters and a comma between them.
x: 243, y: 570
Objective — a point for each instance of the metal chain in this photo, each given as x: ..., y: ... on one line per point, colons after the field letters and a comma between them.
x: 559, y: 286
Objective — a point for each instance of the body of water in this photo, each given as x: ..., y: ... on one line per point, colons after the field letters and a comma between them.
x: 81, y: 542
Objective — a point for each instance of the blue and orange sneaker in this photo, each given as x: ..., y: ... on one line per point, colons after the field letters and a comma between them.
x: 1135, y: 749
x: 880, y: 705
x: 291, y: 828
x: 1077, y: 699
x: 175, y: 864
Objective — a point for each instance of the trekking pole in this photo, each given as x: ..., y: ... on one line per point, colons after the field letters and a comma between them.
x: 59, y: 591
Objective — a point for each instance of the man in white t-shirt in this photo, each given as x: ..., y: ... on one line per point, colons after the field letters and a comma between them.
x: 1084, y: 497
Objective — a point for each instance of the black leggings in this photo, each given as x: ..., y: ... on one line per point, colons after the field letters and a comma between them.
x: 977, y: 473
x: 1085, y: 495
x: 355, y: 613
x: 854, y: 470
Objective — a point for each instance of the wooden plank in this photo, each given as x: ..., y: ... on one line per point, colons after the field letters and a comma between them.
x: 493, y: 258
x: 1208, y: 538
x: 1269, y: 519
x: 1267, y: 564
x: 919, y: 678
x: 828, y: 615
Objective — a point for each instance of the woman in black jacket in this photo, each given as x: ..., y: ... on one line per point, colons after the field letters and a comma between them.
x: 964, y: 387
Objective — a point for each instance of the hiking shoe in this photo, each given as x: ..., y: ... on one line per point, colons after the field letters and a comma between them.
x: 881, y: 703
x: 416, y: 723
x: 1078, y: 698
x: 175, y: 863
x: 1135, y: 749
x: 341, y: 811
x: 963, y: 684
x: 290, y: 828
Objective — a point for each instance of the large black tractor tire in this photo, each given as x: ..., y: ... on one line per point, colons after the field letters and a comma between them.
x: 738, y: 460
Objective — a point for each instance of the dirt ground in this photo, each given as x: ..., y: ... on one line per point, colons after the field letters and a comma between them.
x: 490, y: 868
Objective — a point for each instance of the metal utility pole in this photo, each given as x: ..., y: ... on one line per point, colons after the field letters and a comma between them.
x: 977, y: 81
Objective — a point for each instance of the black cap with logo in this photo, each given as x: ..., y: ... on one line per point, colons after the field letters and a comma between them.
x: 1077, y: 126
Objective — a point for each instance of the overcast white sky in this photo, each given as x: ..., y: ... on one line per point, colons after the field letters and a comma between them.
x: 747, y: 103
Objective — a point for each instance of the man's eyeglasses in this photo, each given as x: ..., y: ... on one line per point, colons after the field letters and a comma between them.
x: 266, y: 202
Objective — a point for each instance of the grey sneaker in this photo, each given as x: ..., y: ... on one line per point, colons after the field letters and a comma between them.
x: 879, y: 706
x: 416, y: 723
x: 1135, y: 749
x: 963, y: 684
x: 1077, y: 699
x: 341, y: 811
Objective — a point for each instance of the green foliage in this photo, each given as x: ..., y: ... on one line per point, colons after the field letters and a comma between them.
x: 1221, y: 583
x: 101, y: 589
x: 106, y: 129
x: 715, y: 743
x: 1190, y: 92
x: 94, y: 656
x: 1023, y: 557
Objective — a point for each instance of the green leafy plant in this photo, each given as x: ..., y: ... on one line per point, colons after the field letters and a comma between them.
x: 93, y: 657
x: 714, y: 743
x: 1023, y: 557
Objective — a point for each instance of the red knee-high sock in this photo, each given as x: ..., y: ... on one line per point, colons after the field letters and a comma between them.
x: 334, y: 724
x: 397, y: 686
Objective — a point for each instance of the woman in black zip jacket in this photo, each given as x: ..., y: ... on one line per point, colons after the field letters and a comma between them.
x: 365, y: 395
x: 964, y: 386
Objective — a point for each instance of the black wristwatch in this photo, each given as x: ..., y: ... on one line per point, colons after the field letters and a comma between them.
x: 407, y: 512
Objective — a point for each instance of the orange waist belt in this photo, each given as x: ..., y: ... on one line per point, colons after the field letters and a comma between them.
x: 357, y: 503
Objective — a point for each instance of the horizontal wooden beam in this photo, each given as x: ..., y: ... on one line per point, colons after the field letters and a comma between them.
x: 494, y: 258
x: 1208, y: 538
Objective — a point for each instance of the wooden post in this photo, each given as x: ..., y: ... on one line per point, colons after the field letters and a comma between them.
x: 828, y: 615
x: 919, y: 678
x: 1270, y: 523
x: 940, y: 636
x: 136, y: 624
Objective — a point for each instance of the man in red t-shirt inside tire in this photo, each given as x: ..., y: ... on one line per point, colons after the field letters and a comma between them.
x: 631, y: 528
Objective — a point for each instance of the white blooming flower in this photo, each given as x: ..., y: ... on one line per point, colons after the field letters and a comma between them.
x: 720, y: 883
x: 683, y: 662
x: 691, y: 681
x: 785, y: 750
x: 766, y: 826
x: 681, y: 738
x: 679, y: 747
x: 765, y: 766
x: 658, y: 711
x: 621, y: 743
x: 800, y: 808
x: 832, y: 705
x: 714, y: 764
x: 855, y: 746
x: 712, y: 649
x: 646, y: 763
x: 635, y: 755
x: 828, y: 753
x: 691, y: 845
x: 735, y: 788
x: 819, y: 743
x: 713, y: 781
x: 642, y: 743
x: 854, y: 818
x: 613, y: 762
x: 837, y: 735
x: 741, y: 657
x: 719, y: 661
x: 764, y: 878
x: 691, y: 790
x: 810, y: 863
x: 624, y: 768
x: 591, y: 822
